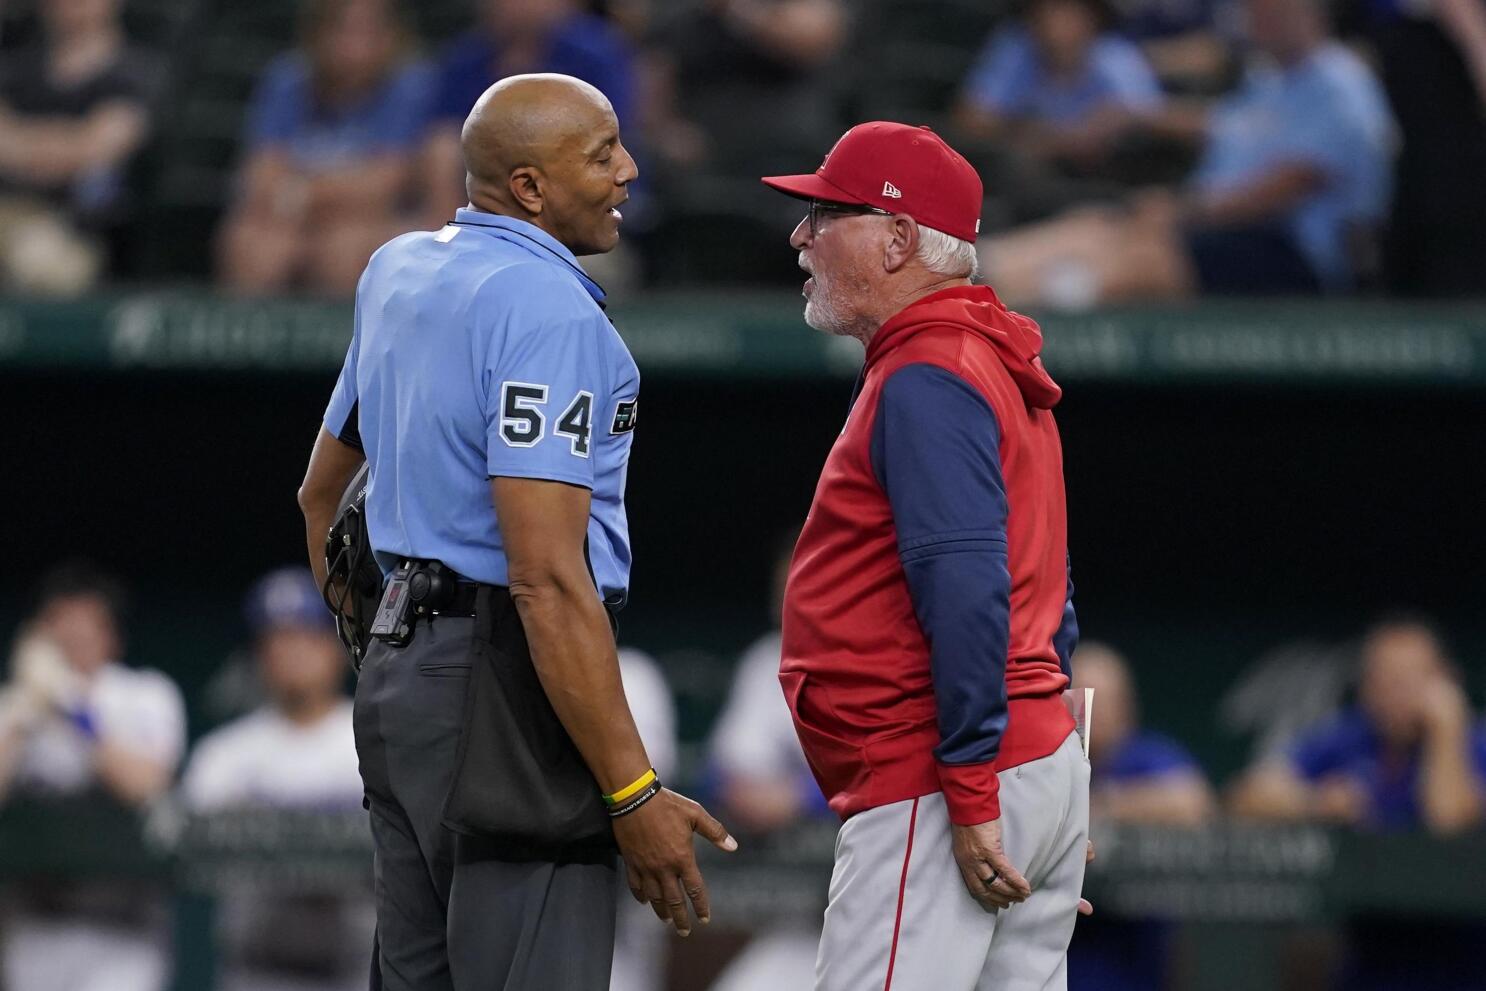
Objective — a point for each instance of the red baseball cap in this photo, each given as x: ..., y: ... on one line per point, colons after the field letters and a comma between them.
x: 898, y: 168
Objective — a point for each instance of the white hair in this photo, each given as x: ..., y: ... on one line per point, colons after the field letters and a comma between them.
x: 945, y: 255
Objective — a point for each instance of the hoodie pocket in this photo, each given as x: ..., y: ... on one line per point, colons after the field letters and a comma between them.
x: 835, y: 759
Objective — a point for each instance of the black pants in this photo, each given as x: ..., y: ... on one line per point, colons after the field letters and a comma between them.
x: 452, y: 915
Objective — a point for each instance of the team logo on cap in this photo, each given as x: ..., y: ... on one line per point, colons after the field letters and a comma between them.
x: 891, y: 191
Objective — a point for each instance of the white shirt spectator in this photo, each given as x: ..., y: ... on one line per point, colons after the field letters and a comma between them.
x: 755, y: 735
x: 654, y: 710
x: 265, y: 759
x: 640, y: 945
x: 137, y: 710
x: 755, y: 738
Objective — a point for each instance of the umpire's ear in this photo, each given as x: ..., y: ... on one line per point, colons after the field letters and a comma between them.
x: 526, y: 188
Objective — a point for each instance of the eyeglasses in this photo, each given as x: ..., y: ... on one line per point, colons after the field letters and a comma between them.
x: 820, y: 208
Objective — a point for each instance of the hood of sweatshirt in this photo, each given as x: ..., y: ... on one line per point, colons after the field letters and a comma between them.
x: 1017, y: 339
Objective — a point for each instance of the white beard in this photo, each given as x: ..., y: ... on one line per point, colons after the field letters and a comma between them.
x: 820, y: 314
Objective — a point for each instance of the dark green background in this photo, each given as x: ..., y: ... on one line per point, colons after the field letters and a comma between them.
x: 1208, y: 522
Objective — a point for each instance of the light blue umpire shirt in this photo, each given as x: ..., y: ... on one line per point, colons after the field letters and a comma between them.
x: 482, y: 350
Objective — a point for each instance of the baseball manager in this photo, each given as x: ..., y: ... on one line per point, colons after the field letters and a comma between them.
x: 496, y: 405
x: 928, y: 616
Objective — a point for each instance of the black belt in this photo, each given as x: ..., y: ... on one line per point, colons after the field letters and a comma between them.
x: 463, y: 603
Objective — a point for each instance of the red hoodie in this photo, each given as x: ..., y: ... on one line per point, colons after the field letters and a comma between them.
x: 928, y: 616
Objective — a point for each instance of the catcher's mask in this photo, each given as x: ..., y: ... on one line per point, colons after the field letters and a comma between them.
x: 353, y: 581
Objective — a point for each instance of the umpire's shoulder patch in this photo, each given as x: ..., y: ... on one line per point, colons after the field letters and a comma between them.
x: 626, y: 414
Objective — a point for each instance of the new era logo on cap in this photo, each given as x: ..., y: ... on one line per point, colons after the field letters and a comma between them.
x: 940, y: 189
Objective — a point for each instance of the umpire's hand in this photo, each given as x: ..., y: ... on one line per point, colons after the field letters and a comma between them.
x: 988, y: 875
x: 655, y: 841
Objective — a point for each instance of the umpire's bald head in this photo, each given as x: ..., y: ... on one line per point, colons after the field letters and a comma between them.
x: 545, y: 148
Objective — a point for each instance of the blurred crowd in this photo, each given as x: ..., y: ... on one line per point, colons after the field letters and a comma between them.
x: 1392, y: 745
x: 77, y: 722
x: 1132, y: 149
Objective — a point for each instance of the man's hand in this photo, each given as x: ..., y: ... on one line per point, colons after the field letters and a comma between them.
x: 1450, y: 793
x: 1086, y: 907
x: 1443, y: 708
x: 989, y: 876
x: 43, y: 675
x: 655, y: 841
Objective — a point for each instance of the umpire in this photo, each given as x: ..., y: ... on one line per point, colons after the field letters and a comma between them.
x: 496, y: 405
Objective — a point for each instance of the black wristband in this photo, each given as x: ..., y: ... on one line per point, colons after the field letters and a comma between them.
x: 631, y: 804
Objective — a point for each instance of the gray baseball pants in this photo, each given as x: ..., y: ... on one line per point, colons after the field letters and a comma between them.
x: 452, y: 914
x: 900, y: 918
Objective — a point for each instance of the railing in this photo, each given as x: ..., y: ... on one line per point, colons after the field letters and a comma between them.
x: 1225, y: 880
x: 762, y: 335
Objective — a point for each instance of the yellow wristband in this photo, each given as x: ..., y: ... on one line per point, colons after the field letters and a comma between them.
x: 643, y: 781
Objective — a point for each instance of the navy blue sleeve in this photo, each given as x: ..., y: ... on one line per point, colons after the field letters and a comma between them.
x: 1065, y: 641
x: 935, y: 451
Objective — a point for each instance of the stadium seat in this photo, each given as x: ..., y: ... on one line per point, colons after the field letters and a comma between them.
x: 911, y: 56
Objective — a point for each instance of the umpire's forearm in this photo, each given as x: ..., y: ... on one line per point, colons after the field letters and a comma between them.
x: 317, y: 521
x: 572, y: 648
x: 332, y: 466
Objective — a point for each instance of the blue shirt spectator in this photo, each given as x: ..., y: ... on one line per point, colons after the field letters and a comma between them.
x: 1387, y: 953
x: 1143, y: 756
x: 333, y: 134
x: 513, y: 37
x: 389, y: 118
x: 1405, y: 757
x: 1327, y: 111
x: 584, y: 46
x: 1012, y: 79
x: 1351, y: 745
x: 1139, y: 776
x: 1113, y: 954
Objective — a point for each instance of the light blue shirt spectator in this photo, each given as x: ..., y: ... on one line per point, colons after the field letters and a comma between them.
x: 1327, y: 111
x: 1011, y: 79
x: 286, y: 114
x: 481, y: 351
